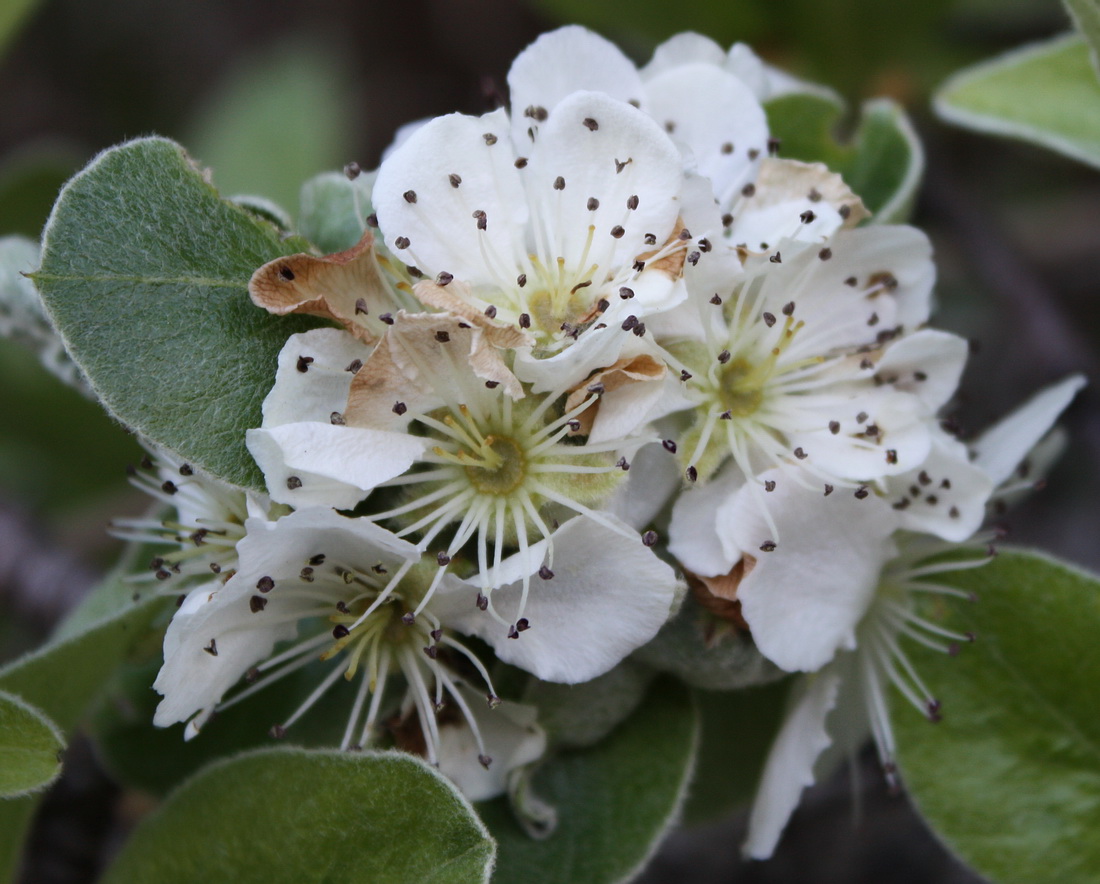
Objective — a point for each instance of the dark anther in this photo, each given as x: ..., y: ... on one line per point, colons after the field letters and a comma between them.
x: 602, y: 304
x: 523, y: 624
x: 773, y: 145
x: 767, y: 546
x: 630, y: 322
x: 638, y: 266
x: 293, y: 483
x: 725, y: 416
x: 861, y: 417
x: 265, y: 584
x: 513, y: 632
x: 408, y: 618
x: 444, y: 278
x: 626, y: 293
x: 372, y: 220
x: 593, y: 204
x: 617, y: 231
x: 852, y: 281
x: 169, y: 487
x: 410, y: 196
x: 432, y: 651
x: 807, y: 217
x: 727, y: 219
x: 727, y: 147
x: 162, y: 574
x: 304, y: 362
x: 539, y: 114
x: 891, y: 455
x: 649, y: 538
x: 482, y: 602
x: 866, y: 364
x: 834, y: 427
x: 524, y: 321
x: 520, y: 163
x: 545, y: 573
x: 769, y: 485
x: 443, y: 559
x: 354, y: 366
x: 352, y: 170
x: 748, y: 190
x: 924, y: 478
x: 724, y: 357
x: 336, y: 419
x: 685, y: 234
x: 825, y: 254
x: 596, y: 388
x: 590, y: 124
x: 559, y: 183
x: 492, y: 385
x: 632, y: 202
x: 692, y: 474
x: 788, y: 308
x: 257, y: 603
x: 482, y: 219
x: 399, y: 408
x: 777, y: 258
x: 769, y: 319
x: 484, y: 761
x: 670, y: 445
x: 828, y: 490
x: 442, y: 336
x: 685, y: 375
x: 693, y: 258
x: 622, y: 464
x: 619, y: 166
x: 490, y: 138
x: 861, y: 492
x: 813, y: 196
x: 800, y: 454
x: 716, y: 299
x: 306, y: 574
x: 212, y: 648
x: 844, y: 212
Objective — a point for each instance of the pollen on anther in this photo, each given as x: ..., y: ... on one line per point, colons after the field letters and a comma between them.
x: 649, y: 538
x: 768, y: 546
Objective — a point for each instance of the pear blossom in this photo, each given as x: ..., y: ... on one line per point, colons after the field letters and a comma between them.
x: 495, y: 471
x: 842, y: 620
x: 813, y: 363
x: 556, y: 230
x: 201, y: 518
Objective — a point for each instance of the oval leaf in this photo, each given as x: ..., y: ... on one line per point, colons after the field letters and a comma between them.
x: 1011, y: 778
x: 145, y: 274
x: 1046, y: 93
x: 30, y: 746
x: 308, y: 816
x: 614, y: 801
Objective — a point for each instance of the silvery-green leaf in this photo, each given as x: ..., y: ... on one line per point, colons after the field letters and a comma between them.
x: 333, y: 210
x: 145, y: 274
x: 1010, y: 779
x: 303, y: 816
x: 30, y: 747
x: 1046, y: 93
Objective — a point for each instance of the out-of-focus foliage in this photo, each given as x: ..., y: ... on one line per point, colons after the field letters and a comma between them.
x: 13, y: 13
x: 282, y: 116
x: 1086, y: 15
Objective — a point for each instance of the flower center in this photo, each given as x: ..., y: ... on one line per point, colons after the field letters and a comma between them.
x: 740, y: 387
x: 502, y: 472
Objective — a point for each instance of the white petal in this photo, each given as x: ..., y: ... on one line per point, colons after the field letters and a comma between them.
x: 322, y: 388
x: 928, y: 363
x: 609, y: 595
x: 652, y: 480
x: 804, y: 599
x: 744, y: 64
x: 570, y: 59
x: 416, y: 199
x: 1001, y: 448
x: 594, y: 147
x: 193, y: 678
x: 685, y: 48
x: 719, y: 120
x: 511, y: 736
x: 951, y: 492
x: 334, y: 465
x: 693, y: 534
x: 789, y: 768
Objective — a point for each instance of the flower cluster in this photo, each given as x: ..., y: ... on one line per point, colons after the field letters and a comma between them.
x: 587, y: 344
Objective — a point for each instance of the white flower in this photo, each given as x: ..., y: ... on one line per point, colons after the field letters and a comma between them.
x: 812, y: 365
x: 843, y: 621
x: 496, y: 473
x: 199, y: 516
x: 553, y: 230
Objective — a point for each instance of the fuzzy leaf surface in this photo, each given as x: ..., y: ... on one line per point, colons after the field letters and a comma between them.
x: 29, y: 748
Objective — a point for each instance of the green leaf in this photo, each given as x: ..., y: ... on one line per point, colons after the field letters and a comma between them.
x: 614, y: 801
x: 279, y: 117
x: 1011, y: 778
x: 333, y: 210
x: 706, y: 652
x: 738, y: 728
x: 145, y: 273
x: 1086, y: 16
x: 307, y: 816
x: 30, y: 747
x: 61, y: 679
x: 1046, y: 93
x: 882, y: 163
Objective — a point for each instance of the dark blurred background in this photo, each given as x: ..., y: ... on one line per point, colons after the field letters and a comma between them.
x: 269, y: 93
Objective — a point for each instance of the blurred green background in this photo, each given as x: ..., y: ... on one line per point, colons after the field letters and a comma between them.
x: 269, y: 93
